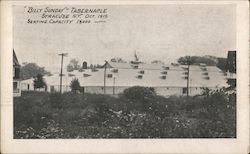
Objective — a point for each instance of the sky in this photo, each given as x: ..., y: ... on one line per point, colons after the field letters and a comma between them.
x: 155, y: 32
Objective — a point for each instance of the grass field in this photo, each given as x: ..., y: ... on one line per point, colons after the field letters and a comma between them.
x: 138, y: 113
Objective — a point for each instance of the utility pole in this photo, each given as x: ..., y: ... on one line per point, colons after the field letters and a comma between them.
x: 104, y: 86
x: 113, y: 85
x: 188, y: 81
x: 61, y: 74
x: 188, y: 63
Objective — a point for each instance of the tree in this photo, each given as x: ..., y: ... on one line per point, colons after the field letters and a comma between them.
x: 208, y: 60
x: 75, y: 85
x: 91, y: 66
x: 39, y: 81
x: 222, y: 63
x: 75, y: 64
x: 186, y: 60
x: 70, y: 68
x: 30, y: 70
x: 196, y: 60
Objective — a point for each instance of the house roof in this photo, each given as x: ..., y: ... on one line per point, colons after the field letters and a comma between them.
x: 155, y: 75
x: 15, y: 61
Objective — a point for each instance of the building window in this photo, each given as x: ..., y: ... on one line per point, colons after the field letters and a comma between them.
x: 184, y: 90
x: 14, y: 85
x: 110, y: 75
x: 16, y: 73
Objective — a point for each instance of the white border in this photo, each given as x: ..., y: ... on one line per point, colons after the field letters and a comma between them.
x: 239, y: 145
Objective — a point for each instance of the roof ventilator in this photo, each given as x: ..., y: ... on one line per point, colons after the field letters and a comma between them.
x: 164, y: 72
x: 135, y: 66
x: 203, y: 68
x: 163, y: 77
x: 142, y: 72
x: 86, y: 75
x: 115, y: 70
x: 139, y: 76
x: 207, y: 77
x: 110, y: 75
x: 94, y: 70
x: 165, y: 67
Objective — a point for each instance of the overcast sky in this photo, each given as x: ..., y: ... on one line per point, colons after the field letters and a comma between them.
x: 156, y: 32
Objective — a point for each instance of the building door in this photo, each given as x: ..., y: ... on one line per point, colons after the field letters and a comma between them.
x: 15, y: 87
x: 184, y: 91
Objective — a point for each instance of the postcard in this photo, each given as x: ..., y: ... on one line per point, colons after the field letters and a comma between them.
x: 124, y: 77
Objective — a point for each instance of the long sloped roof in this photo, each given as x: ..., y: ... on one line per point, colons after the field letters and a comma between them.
x: 153, y: 76
x: 213, y: 77
x: 15, y: 61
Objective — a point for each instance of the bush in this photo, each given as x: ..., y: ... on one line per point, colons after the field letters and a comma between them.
x: 140, y: 98
x: 138, y: 113
x: 139, y: 93
x: 56, y: 100
x: 75, y: 85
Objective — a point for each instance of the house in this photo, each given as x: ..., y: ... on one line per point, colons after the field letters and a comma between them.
x: 52, y: 83
x: 16, y: 76
x: 231, y: 68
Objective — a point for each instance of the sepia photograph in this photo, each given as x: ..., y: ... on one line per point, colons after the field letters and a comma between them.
x: 131, y: 71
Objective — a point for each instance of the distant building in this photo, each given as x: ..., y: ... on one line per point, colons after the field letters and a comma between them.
x: 231, y: 61
x: 84, y: 65
x: 16, y: 76
x: 231, y: 68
